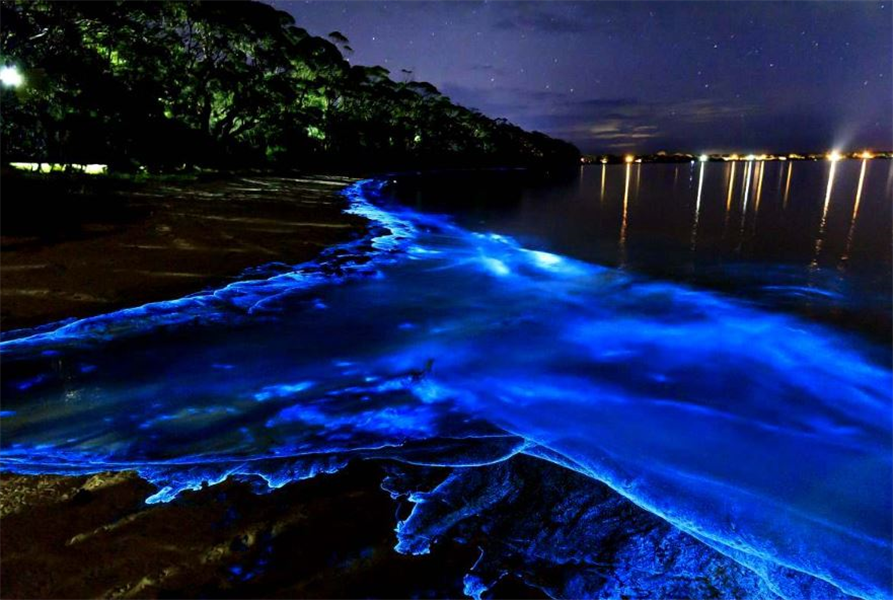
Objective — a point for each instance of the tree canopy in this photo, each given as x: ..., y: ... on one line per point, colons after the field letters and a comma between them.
x: 161, y: 85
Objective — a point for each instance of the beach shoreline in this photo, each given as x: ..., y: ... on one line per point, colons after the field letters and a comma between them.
x: 332, y: 535
x: 329, y: 536
x: 75, y: 251
x: 183, y: 237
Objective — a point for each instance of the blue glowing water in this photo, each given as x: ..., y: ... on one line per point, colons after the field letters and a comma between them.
x: 751, y: 437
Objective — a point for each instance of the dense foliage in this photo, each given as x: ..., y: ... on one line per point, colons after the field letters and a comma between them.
x: 167, y: 84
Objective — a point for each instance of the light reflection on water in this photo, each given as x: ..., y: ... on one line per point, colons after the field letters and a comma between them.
x: 778, y: 233
x: 764, y: 435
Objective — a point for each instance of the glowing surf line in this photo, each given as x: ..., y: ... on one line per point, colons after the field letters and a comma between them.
x: 498, y: 258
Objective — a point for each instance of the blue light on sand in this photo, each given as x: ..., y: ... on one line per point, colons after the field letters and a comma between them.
x: 747, y: 437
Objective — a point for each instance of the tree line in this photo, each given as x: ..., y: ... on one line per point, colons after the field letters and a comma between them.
x: 162, y: 85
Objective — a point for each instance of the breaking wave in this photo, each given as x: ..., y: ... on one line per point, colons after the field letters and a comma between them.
x: 610, y: 435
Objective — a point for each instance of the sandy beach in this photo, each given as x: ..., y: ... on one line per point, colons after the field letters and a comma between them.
x: 311, y: 538
x: 81, y: 249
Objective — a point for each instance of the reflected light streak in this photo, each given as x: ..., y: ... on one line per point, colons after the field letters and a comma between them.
x: 731, y: 187
x: 604, y: 167
x: 889, y: 183
x: 828, y: 191
x: 849, y: 235
x: 820, y: 237
x: 694, y: 227
x: 623, y: 222
x: 787, y: 185
x: 725, y: 223
x: 747, y: 173
x: 759, y: 192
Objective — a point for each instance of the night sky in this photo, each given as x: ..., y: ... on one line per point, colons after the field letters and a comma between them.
x: 643, y: 76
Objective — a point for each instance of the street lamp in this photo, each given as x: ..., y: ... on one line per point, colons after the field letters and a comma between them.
x: 10, y: 76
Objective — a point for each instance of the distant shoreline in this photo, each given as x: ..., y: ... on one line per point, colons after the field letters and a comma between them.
x: 685, y: 157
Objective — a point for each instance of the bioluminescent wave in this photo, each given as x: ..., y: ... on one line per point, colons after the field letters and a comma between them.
x: 749, y: 437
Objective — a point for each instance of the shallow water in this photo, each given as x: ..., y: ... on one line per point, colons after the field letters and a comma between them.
x: 763, y: 434
x: 808, y: 237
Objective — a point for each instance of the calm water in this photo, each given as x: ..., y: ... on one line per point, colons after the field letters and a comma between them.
x: 812, y: 237
x: 738, y: 395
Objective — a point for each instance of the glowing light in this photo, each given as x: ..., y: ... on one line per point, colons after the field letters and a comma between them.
x: 750, y: 157
x: 496, y: 266
x: 828, y: 190
x: 731, y: 187
x: 90, y: 169
x: 782, y: 158
x: 834, y: 156
x: 759, y: 192
x: 10, y: 76
x: 866, y: 155
x: 532, y: 354
x: 703, y: 158
x: 694, y: 227
x: 700, y: 189
x: 629, y: 158
x: 787, y: 185
x: 734, y: 157
x: 604, y: 161
x: 604, y: 169
x: 748, y: 171
x: 821, y: 235
x: 625, y: 206
x: 639, y: 160
x: 747, y: 174
x: 545, y: 259
x: 849, y: 235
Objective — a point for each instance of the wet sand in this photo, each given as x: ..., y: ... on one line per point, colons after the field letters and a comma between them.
x: 75, y: 251
x: 328, y: 537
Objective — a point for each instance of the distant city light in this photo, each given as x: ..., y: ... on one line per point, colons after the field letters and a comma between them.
x: 749, y: 157
x: 703, y: 158
x: 782, y: 158
x: 734, y: 157
x: 629, y: 158
x: 11, y: 77
x: 867, y: 155
x: 834, y: 156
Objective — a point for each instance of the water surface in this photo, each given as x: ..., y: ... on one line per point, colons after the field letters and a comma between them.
x: 759, y: 433
x: 808, y: 236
